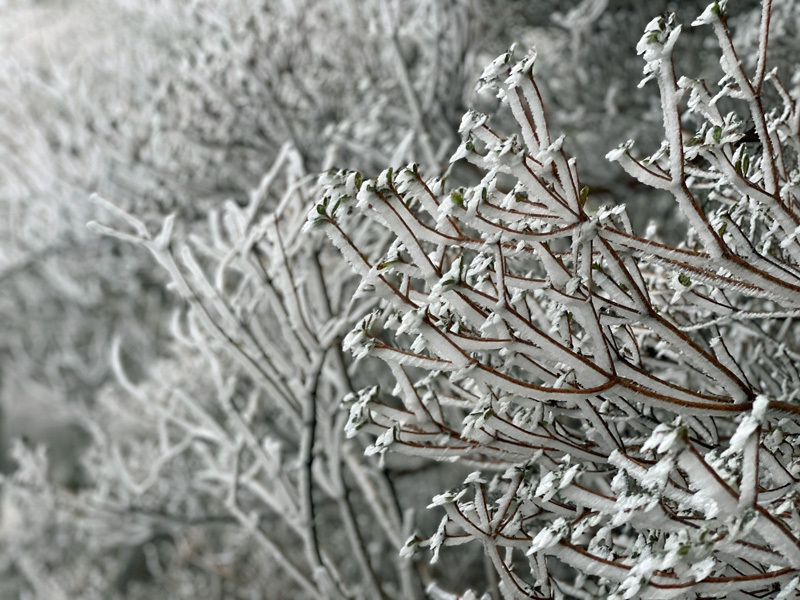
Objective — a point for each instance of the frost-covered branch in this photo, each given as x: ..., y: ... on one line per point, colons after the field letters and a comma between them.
x: 547, y: 345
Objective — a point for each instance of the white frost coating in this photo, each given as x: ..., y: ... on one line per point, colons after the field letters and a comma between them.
x: 418, y: 345
x: 546, y: 488
x: 405, y: 180
x: 569, y: 476
x: 497, y: 68
x: 748, y: 426
x: 547, y: 155
x: 617, y: 153
x: 437, y: 540
x: 657, y: 44
x: 359, y: 411
x: 549, y: 536
x: 474, y: 477
x: 702, y: 569
x: 656, y: 476
x: 351, y: 183
x: 710, y: 14
x: 664, y: 437
x: 448, y: 280
x: 382, y: 442
x: 522, y: 68
x: 384, y: 179
x: 447, y: 498
x: 760, y: 406
x: 470, y: 121
x: 789, y: 589
x: 410, y: 547
x: 411, y: 322
x: 358, y: 343
x: 366, y: 196
x: 791, y: 239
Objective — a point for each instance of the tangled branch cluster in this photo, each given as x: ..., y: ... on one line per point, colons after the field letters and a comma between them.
x: 630, y: 408
x: 216, y: 465
x: 266, y: 444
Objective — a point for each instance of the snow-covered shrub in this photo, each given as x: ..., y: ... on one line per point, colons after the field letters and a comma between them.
x: 176, y: 107
x: 629, y: 407
x: 181, y: 107
x: 234, y: 445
